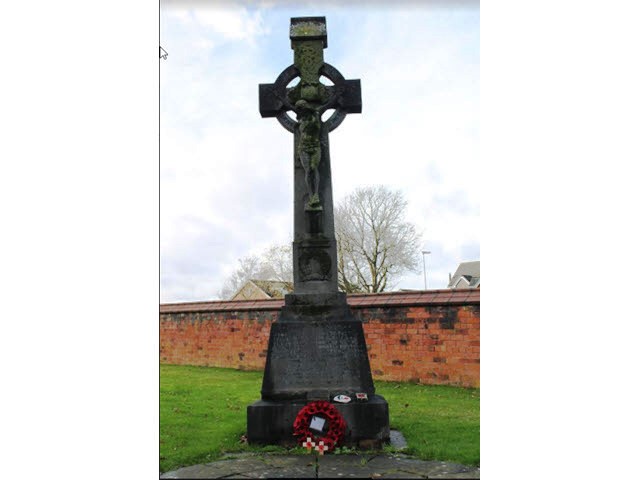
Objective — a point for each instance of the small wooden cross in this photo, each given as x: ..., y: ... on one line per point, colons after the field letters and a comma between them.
x: 309, y: 444
x: 321, y: 447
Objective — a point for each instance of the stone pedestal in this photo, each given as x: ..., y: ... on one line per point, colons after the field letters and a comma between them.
x: 316, y: 351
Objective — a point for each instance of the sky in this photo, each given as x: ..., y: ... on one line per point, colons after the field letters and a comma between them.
x: 226, y: 176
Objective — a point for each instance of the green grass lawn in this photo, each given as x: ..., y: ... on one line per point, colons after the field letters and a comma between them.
x: 203, y: 415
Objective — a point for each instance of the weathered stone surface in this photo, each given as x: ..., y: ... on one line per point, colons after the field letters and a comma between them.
x: 397, y: 440
x: 316, y: 355
x: 327, y: 466
x: 358, y: 466
x: 254, y: 466
x: 430, y: 469
x: 314, y: 246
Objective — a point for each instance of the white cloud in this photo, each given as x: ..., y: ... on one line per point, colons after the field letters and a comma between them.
x: 231, y: 20
x: 182, y: 15
x: 203, y: 43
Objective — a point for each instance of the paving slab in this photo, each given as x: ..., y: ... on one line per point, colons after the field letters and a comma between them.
x: 397, y: 440
x: 424, y: 469
x: 328, y: 466
x: 219, y: 469
x: 255, y: 466
x: 288, y: 466
x: 359, y: 466
x: 390, y: 466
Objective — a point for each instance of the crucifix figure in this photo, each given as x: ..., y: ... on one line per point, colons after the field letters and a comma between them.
x: 309, y: 149
x: 307, y: 101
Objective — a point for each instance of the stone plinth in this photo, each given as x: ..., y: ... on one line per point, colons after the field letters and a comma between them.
x: 317, y: 350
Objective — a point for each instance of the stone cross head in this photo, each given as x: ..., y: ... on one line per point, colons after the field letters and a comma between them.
x: 309, y: 97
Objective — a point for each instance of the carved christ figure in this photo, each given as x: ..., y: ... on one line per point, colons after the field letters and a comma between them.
x: 310, y: 149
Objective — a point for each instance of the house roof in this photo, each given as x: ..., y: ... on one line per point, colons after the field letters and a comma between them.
x: 273, y: 288
x: 470, y: 271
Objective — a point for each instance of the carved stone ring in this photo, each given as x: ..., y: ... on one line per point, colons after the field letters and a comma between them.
x: 344, y: 97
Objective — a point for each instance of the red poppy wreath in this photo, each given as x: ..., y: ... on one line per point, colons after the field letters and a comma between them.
x: 334, y: 433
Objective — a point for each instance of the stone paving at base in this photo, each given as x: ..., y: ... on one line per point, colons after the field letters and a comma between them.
x: 329, y: 466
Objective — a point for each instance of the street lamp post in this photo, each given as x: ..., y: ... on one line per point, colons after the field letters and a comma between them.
x: 424, y: 266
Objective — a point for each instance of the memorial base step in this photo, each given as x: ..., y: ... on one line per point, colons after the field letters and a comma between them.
x: 271, y: 422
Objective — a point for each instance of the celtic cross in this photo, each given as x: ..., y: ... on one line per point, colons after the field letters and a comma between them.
x: 314, y: 236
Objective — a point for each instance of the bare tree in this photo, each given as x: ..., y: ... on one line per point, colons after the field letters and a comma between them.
x: 347, y: 271
x: 375, y: 242
x: 249, y: 268
x: 273, y: 264
x: 279, y: 258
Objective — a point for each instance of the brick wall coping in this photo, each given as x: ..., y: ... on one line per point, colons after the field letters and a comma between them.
x: 357, y: 300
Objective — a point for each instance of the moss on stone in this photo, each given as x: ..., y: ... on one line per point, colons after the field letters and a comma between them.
x: 308, y: 29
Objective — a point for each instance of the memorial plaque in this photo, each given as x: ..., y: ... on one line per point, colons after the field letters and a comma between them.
x: 316, y: 357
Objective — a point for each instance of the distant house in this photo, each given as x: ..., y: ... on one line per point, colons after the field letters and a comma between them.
x: 467, y: 276
x: 263, y: 290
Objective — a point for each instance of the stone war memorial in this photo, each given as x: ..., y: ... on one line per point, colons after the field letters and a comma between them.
x: 317, y: 389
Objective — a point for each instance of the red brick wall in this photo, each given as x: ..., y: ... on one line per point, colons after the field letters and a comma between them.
x: 430, y: 337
